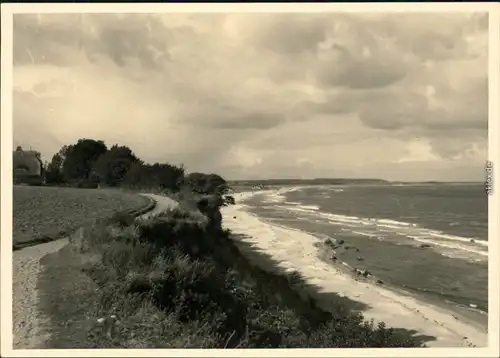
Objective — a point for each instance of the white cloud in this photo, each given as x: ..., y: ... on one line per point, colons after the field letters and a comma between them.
x: 418, y: 151
x: 250, y: 95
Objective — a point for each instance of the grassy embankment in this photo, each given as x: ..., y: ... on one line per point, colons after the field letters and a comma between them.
x: 178, y: 281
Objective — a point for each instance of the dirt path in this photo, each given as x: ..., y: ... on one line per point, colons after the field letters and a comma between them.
x: 27, y: 320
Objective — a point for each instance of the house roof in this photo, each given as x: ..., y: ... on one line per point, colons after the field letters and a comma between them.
x: 28, y: 160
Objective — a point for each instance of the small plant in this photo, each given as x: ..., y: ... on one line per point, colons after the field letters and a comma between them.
x: 122, y: 219
x: 175, y: 282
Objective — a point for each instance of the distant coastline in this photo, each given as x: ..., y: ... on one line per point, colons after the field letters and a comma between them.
x: 341, y: 181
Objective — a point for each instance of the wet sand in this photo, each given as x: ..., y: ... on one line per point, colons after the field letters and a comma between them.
x: 297, y: 250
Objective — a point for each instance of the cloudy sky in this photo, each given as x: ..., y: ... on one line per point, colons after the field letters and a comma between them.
x: 395, y: 96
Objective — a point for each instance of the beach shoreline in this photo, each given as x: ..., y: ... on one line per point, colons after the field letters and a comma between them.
x: 297, y: 250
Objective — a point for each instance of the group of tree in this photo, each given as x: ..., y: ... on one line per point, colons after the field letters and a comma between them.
x: 90, y: 163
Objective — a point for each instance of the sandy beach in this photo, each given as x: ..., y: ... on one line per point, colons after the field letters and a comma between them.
x: 294, y: 250
x: 297, y: 250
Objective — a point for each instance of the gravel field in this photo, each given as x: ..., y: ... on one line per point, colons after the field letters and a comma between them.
x: 48, y: 211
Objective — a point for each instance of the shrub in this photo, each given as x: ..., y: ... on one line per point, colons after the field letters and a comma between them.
x: 178, y: 282
x: 122, y: 219
x: 85, y: 184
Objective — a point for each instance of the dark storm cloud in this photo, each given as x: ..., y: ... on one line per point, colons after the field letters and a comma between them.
x: 358, y: 72
x: 117, y: 38
x: 347, y: 92
x: 290, y: 34
x: 252, y: 120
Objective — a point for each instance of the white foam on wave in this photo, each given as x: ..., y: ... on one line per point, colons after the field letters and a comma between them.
x: 395, y: 223
x: 390, y: 226
x: 296, y: 250
x: 368, y: 234
x: 342, y: 218
x: 414, y: 229
x: 409, y: 230
x: 368, y: 221
x: 278, y: 195
x: 441, y: 235
x: 241, y: 197
x: 296, y: 209
x: 274, y: 198
x: 309, y: 207
x: 450, y: 246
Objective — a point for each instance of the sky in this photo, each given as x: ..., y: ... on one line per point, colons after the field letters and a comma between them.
x: 401, y: 96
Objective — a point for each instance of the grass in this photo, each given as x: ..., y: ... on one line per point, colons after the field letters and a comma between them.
x: 178, y: 281
x: 51, y: 211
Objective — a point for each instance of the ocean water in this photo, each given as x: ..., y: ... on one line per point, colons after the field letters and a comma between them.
x: 431, y: 240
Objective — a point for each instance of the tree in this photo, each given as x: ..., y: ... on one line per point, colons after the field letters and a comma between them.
x: 65, y: 149
x: 165, y: 176
x: 134, y: 175
x: 113, y: 165
x: 80, y: 159
x: 53, y: 172
x: 210, y: 184
x: 168, y: 176
x: 207, y: 183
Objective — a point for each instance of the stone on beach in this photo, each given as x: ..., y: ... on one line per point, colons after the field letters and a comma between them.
x: 329, y: 241
x: 364, y: 273
x: 398, y: 310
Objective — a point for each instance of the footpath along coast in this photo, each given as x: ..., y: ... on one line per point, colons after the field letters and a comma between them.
x: 29, y: 323
x: 293, y: 249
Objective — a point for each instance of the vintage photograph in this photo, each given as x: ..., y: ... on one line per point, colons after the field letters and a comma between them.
x: 240, y: 180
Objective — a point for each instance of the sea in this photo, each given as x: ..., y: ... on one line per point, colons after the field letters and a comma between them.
x: 428, y: 239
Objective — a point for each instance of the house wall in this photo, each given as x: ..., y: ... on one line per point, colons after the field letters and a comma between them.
x: 27, y: 167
